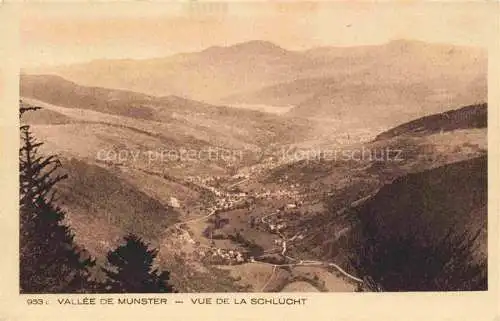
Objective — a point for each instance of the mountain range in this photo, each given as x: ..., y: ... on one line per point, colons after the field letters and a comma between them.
x: 343, y: 83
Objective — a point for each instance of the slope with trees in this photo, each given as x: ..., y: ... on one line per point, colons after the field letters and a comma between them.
x: 426, y: 231
x: 50, y: 259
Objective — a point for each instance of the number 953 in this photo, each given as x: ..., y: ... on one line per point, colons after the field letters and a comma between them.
x: 34, y: 301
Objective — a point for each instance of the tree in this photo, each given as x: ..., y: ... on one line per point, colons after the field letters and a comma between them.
x: 131, y: 269
x: 49, y: 260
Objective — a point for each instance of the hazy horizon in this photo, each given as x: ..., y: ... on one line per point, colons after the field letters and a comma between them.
x: 79, y: 33
x: 56, y: 64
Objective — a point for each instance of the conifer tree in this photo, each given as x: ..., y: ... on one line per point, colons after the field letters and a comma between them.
x: 49, y: 259
x: 131, y: 269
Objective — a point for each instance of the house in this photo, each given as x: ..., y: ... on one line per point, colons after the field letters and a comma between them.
x: 280, y: 226
x: 239, y: 258
x: 174, y: 202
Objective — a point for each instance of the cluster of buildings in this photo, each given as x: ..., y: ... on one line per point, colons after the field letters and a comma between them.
x: 224, y: 256
x: 227, y: 201
x: 277, y: 194
x: 277, y: 221
x: 223, y: 200
x: 204, y: 181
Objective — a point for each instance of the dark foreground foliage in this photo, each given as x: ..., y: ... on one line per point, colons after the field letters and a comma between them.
x: 131, y: 269
x: 50, y: 262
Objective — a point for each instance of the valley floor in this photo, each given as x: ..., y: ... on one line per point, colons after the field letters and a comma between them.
x: 271, y: 268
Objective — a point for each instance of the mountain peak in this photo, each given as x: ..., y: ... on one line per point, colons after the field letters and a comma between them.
x: 257, y: 43
x: 249, y: 47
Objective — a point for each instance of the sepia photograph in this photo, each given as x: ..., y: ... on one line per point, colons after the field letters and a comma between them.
x: 253, y: 148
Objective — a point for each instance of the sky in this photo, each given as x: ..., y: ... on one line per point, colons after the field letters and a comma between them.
x: 70, y: 33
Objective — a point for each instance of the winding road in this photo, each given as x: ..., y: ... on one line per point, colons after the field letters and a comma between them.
x: 298, y: 262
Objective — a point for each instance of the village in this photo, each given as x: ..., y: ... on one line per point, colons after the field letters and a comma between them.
x: 225, y: 195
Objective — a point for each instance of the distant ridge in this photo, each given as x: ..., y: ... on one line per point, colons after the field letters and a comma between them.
x: 248, y: 47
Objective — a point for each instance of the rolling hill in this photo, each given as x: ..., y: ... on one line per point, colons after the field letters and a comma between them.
x: 58, y: 91
x: 374, y: 100
x: 211, y: 73
x: 372, y: 83
x: 180, y: 121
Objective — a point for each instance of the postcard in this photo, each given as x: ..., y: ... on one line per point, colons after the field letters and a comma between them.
x: 250, y: 160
